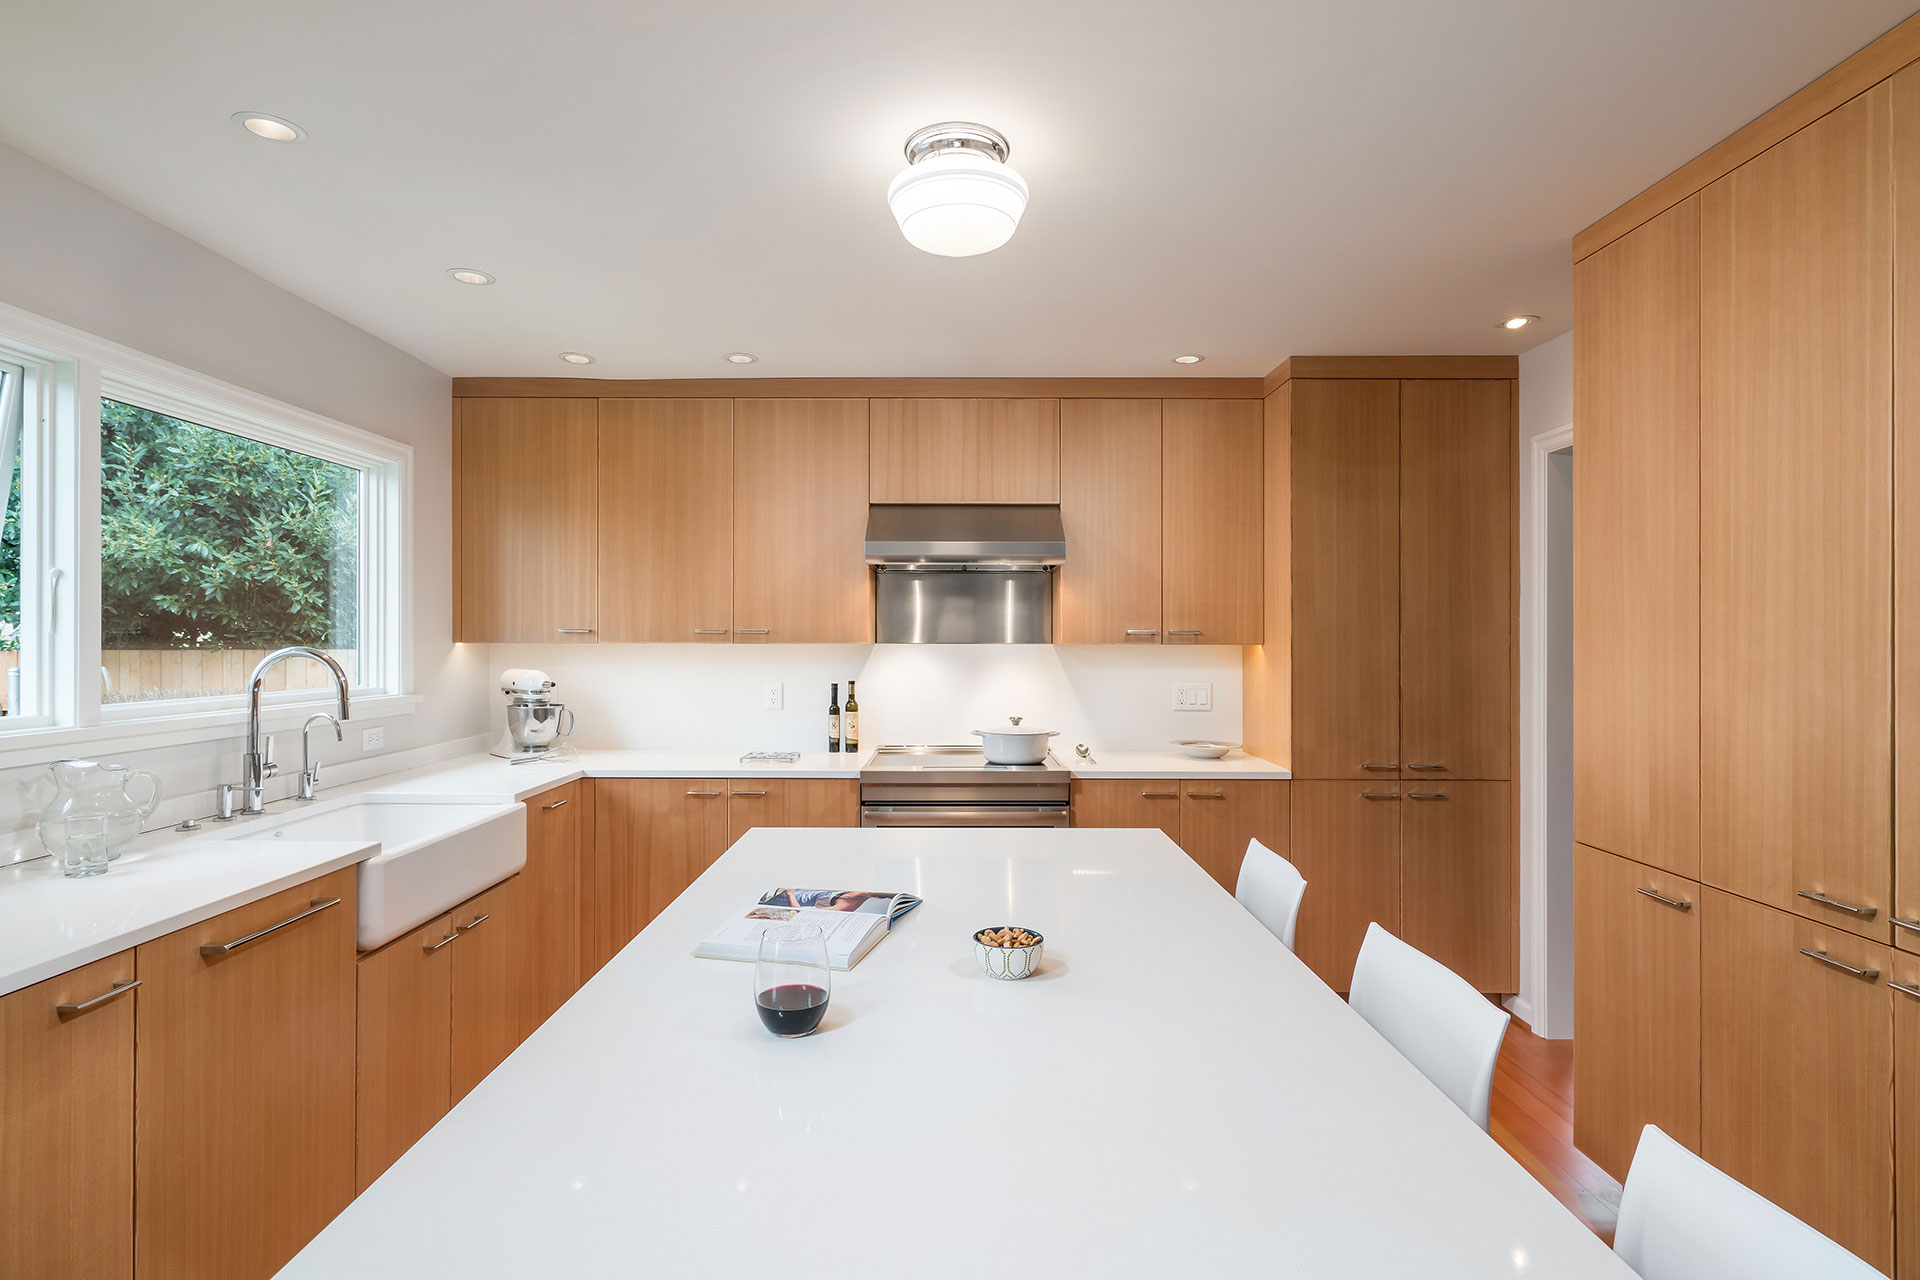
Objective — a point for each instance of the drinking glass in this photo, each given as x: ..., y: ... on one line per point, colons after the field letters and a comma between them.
x: 790, y: 979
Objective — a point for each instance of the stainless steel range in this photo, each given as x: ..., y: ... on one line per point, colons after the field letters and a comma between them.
x: 956, y: 787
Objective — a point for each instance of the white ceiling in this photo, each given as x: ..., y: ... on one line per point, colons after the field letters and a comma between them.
x: 658, y: 185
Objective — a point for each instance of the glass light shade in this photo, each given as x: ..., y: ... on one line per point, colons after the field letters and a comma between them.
x: 957, y: 203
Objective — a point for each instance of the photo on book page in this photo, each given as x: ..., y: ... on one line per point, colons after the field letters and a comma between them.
x: 852, y: 920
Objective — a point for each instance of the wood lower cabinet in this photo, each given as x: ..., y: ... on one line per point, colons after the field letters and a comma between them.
x: 799, y: 522
x: 1796, y: 1057
x: 965, y: 451
x: 1211, y: 484
x: 490, y: 972
x: 1636, y: 1007
x: 557, y: 825
x: 403, y: 1072
x: 1127, y: 802
x: 1346, y: 842
x: 1110, y: 506
x: 1458, y: 876
x: 243, y: 1085
x: 665, y: 528
x: 1906, y: 1113
x: 791, y: 802
x: 1218, y: 819
x: 66, y: 1125
x: 652, y: 838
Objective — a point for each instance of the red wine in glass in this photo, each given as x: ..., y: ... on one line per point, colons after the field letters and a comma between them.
x: 792, y: 1009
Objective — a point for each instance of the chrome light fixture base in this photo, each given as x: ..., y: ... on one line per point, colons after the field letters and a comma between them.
x: 956, y: 135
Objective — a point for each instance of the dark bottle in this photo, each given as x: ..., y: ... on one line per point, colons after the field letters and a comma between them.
x: 833, y: 719
x: 850, y: 725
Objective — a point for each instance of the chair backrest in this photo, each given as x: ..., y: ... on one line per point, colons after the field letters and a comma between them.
x: 1683, y: 1219
x: 1429, y: 1013
x: 1271, y: 888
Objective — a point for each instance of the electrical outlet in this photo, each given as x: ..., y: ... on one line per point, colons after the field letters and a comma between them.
x: 774, y: 698
x: 1193, y: 696
x: 373, y: 739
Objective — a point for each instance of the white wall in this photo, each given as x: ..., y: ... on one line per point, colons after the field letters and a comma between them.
x: 75, y: 256
x: 1546, y: 819
x: 709, y: 696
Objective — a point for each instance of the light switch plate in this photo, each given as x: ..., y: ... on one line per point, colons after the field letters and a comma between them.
x: 774, y: 698
x: 1194, y: 695
x: 373, y: 739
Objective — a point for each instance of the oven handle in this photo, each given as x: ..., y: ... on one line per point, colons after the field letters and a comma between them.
x: 1001, y: 815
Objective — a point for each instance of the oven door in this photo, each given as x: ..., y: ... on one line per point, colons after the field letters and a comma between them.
x: 963, y: 815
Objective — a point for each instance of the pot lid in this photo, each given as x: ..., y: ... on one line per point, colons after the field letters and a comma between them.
x: 1015, y: 731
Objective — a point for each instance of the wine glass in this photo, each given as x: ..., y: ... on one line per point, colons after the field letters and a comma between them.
x: 790, y: 981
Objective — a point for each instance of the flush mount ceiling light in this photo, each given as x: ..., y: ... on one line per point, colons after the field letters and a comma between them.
x: 957, y: 196
x: 1188, y: 359
x: 741, y: 357
x: 272, y: 128
x: 576, y: 357
x: 1517, y: 322
x: 467, y: 275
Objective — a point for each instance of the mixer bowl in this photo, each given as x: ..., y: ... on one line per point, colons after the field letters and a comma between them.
x: 538, y: 724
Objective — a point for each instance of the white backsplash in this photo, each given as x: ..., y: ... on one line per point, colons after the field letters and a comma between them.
x: 709, y: 696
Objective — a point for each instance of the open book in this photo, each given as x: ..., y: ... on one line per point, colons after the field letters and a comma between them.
x: 853, y: 921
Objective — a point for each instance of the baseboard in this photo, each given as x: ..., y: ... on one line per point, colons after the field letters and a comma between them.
x: 1521, y: 1008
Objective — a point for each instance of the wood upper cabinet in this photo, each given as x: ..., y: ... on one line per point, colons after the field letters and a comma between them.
x: 1211, y: 484
x: 966, y: 451
x: 490, y: 982
x: 1457, y: 879
x: 404, y: 1068
x: 800, y: 521
x: 1796, y: 1060
x: 243, y: 1085
x: 557, y: 823
x: 525, y: 518
x: 1217, y: 819
x: 1457, y: 442
x: 1346, y: 580
x: 790, y: 802
x: 66, y: 1125
x: 1346, y: 842
x: 1906, y: 1113
x: 1796, y: 568
x: 1906, y: 520
x: 652, y: 838
x: 1636, y: 1007
x: 666, y: 520
x: 1636, y: 540
x: 1110, y: 505
x: 1126, y: 802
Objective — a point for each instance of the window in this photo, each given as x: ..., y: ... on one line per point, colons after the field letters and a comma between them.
x: 12, y: 453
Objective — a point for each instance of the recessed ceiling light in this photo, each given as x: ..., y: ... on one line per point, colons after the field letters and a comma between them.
x: 272, y: 128
x: 741, y: 357
x: 1188, y: 359
x: 467, y: 275
x: 957, y: 196
x: 1517, y: 322
x: 576, y: 357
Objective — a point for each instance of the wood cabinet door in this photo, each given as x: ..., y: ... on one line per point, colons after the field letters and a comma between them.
x: 652, y: 838
x: 404, y: 1067
x: 1126, y: 802
x: 1212, y: 486
x: 550, y: 887
x: 1796, y: 532
x: 1346, y: 842
x: 1218, y: 819
x: 1459, y: 873
x: 1906, y: 1113
x: 1636, y: 1007
x: 966, y: 451
x: 490, y: 982
x: 1346, y: 579
x: 1796, y: 1057
x: 1636, y: 544
x: 66, y: 1125
x: 243, y: 1084
x: 1110, y: 505
x: 1457, y: 448
x: 666, y: 521
x: 525, y: 516
x: 800, y: 522
x: 790, y: 802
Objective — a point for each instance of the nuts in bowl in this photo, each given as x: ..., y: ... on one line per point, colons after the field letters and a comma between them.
x: 1008, y: 951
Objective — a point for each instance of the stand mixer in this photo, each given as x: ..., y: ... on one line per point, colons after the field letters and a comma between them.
x: 536, y: 724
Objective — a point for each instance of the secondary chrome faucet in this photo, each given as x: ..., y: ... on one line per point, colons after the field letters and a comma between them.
x: 255, y: 767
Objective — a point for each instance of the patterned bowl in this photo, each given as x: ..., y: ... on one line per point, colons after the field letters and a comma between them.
x: 1009, y: 963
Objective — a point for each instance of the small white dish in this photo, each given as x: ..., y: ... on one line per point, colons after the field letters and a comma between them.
x: 1007, y: 963
x: 1204, y: 748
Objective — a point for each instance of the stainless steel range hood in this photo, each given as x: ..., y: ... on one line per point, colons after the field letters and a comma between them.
x: 962, y: 533
x: 964, y: 574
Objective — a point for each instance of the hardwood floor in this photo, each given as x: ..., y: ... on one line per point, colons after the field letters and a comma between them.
x: 1532, y: 1118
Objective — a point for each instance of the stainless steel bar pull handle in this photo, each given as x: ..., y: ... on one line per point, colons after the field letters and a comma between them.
x: 1183, y: 633
x: 574, y: 631
x: 751, y: 631
x: 114, y: 992
x: 1426, y: 795
x: 708, y: 794
x: 1865, y: 913
x: 1204, y: 795
x: 1143, y: 631
x: 1428, y: 768
x: 1678, y: 904
x: 749, y: 793
x: 1380, y: 768
x: 1906, y: 989
x: 222, y: 948
x: 474, y: 923
x: 709, y: 631
x: 1379, y: 795
x: 1869, y: 974
x: 1904, y: 923
x: 1159, y: 795
x: 555, y: 805
x: 435, y: 946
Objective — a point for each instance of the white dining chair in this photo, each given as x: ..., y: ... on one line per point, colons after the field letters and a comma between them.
x: 1429, y: 1013
x: 1271, y: 888
x: 1683, y: 1219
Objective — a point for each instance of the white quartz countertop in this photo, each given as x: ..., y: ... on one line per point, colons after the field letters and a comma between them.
x: 1170, y: 763
x: 1172, y: 1094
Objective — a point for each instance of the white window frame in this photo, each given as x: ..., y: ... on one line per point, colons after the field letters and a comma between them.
x: 68, y: 372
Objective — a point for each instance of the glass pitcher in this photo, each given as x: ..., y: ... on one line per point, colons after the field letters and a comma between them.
x: 94, y: 815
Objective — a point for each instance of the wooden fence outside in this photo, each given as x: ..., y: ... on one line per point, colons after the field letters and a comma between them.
x: 152, y: 675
